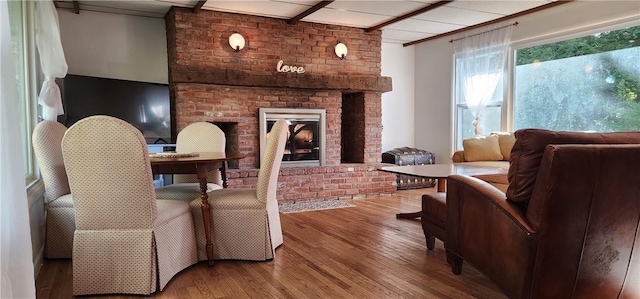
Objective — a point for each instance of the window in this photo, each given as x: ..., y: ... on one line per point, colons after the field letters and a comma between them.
x: 491, y: 115
x: 21, y: 44
x: 589, y: 83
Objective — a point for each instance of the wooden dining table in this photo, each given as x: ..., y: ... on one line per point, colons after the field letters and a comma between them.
x: 197, y: 163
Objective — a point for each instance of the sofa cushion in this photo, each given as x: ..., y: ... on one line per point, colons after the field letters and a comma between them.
x: 528, y: 149
x: 498, y: 164
x: 505, y: 141
x: 485, y: 148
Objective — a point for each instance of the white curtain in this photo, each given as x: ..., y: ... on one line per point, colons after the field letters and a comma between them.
x: 15, y: 235
x: 52, y: 59
x: 480, y: 63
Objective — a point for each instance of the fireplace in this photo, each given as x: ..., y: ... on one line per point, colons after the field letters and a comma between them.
x: 306, y: 144
x: 335, y: 104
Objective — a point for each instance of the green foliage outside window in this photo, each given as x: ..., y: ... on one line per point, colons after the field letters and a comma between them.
x: 591, y: 44
x: 587, y: 83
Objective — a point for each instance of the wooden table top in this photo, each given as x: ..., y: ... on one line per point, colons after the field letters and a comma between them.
x: 435, y: 171
x: 201, y: 157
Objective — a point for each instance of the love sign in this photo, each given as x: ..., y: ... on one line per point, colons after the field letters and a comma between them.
x: 283, y: 68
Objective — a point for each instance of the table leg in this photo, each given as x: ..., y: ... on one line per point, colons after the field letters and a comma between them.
x: 442, y: 185
x: 223, y: 174
x: 408, y: 215
x: 206, y: 216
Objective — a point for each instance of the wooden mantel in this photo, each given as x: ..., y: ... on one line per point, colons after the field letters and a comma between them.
x: 203, y: 75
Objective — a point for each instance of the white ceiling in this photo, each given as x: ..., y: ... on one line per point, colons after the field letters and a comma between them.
x: 355, y: 13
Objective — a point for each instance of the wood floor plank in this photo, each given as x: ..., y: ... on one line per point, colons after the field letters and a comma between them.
x: 355, y: 252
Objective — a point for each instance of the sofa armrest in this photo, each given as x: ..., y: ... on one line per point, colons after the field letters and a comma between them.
x: 490, y: 232
x: 458, y: 157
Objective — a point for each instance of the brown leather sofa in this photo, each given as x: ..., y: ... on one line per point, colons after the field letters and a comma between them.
x: 569, y: 224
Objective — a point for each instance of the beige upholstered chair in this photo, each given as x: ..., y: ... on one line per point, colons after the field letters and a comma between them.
x: 60, y: 220
x: 196, y: 137
x: 125, y: 241
x: 246, y: 222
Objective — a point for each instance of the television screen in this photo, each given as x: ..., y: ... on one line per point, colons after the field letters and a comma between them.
x: 144, y: 105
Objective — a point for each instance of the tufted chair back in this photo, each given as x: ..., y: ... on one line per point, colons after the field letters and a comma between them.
x: 270, y: 162
x: 60, y: 220
x: 200, y: 137
x: 108, y: 166
x: 47, y: 145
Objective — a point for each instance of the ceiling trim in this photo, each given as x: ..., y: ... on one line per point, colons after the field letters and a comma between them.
x: 409, y: 15
x: 198, y: 6
x: 309, y: 11
x: 498, y: 20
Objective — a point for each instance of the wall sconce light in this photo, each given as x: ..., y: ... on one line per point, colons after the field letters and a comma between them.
x: 236, y: 41
x: 341, y: 50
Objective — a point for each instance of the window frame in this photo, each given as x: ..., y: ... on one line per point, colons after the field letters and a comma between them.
x: 31, y: 77
x: 506, y: 77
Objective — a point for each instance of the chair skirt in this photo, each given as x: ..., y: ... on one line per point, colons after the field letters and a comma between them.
x: 135, y: 261
x: 60, y: 226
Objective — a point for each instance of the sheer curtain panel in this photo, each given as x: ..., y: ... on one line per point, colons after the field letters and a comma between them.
x: 481, y: 60
x: 15, y: 235
x: 52, y: 59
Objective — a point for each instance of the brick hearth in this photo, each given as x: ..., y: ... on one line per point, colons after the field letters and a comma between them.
x: 211, y: 82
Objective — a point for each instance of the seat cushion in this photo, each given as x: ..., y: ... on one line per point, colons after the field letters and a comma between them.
x: 234, y: 199
x: 65, y: 201
x: 185, y: 192
x: 170, y: 209
x: 498, y: 164
x: 434, y: 204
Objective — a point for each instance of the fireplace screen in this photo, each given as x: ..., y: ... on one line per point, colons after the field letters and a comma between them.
x: 305, y: 140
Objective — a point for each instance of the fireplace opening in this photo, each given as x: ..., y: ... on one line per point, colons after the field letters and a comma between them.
x: 352, y: 139
x: 230, y: 130
x: 306, y: 138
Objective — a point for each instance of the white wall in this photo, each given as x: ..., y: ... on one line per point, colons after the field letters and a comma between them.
x: 114, y: 46
x: 434, y: 64
x: 397, y: 106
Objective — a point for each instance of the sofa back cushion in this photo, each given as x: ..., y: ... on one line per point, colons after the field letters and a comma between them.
x: 506, y: 140
x: 528, y: 150
x: 484, y: 148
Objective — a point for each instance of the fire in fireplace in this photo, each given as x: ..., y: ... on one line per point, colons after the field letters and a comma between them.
x: 306, y: 139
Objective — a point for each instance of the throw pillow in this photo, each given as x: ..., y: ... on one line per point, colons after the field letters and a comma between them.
x: 485, y: 148
x: 506, y: 141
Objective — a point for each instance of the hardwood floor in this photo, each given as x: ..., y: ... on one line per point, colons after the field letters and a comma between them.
x: 359, y: 252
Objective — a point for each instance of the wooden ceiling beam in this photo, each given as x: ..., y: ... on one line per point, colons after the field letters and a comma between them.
x: 498, y: 20
x: 309, y: 11
x: 198, y: 6
x: 409, y: 15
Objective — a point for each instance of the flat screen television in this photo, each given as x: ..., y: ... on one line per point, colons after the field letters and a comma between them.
x: 144, y: 105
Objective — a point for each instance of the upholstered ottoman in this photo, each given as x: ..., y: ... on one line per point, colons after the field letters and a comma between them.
x: 434, y: 217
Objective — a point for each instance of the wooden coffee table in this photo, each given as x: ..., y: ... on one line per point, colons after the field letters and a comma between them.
x: 440, y: 172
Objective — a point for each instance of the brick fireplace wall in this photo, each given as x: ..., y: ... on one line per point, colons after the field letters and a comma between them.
x: 209, y: 81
